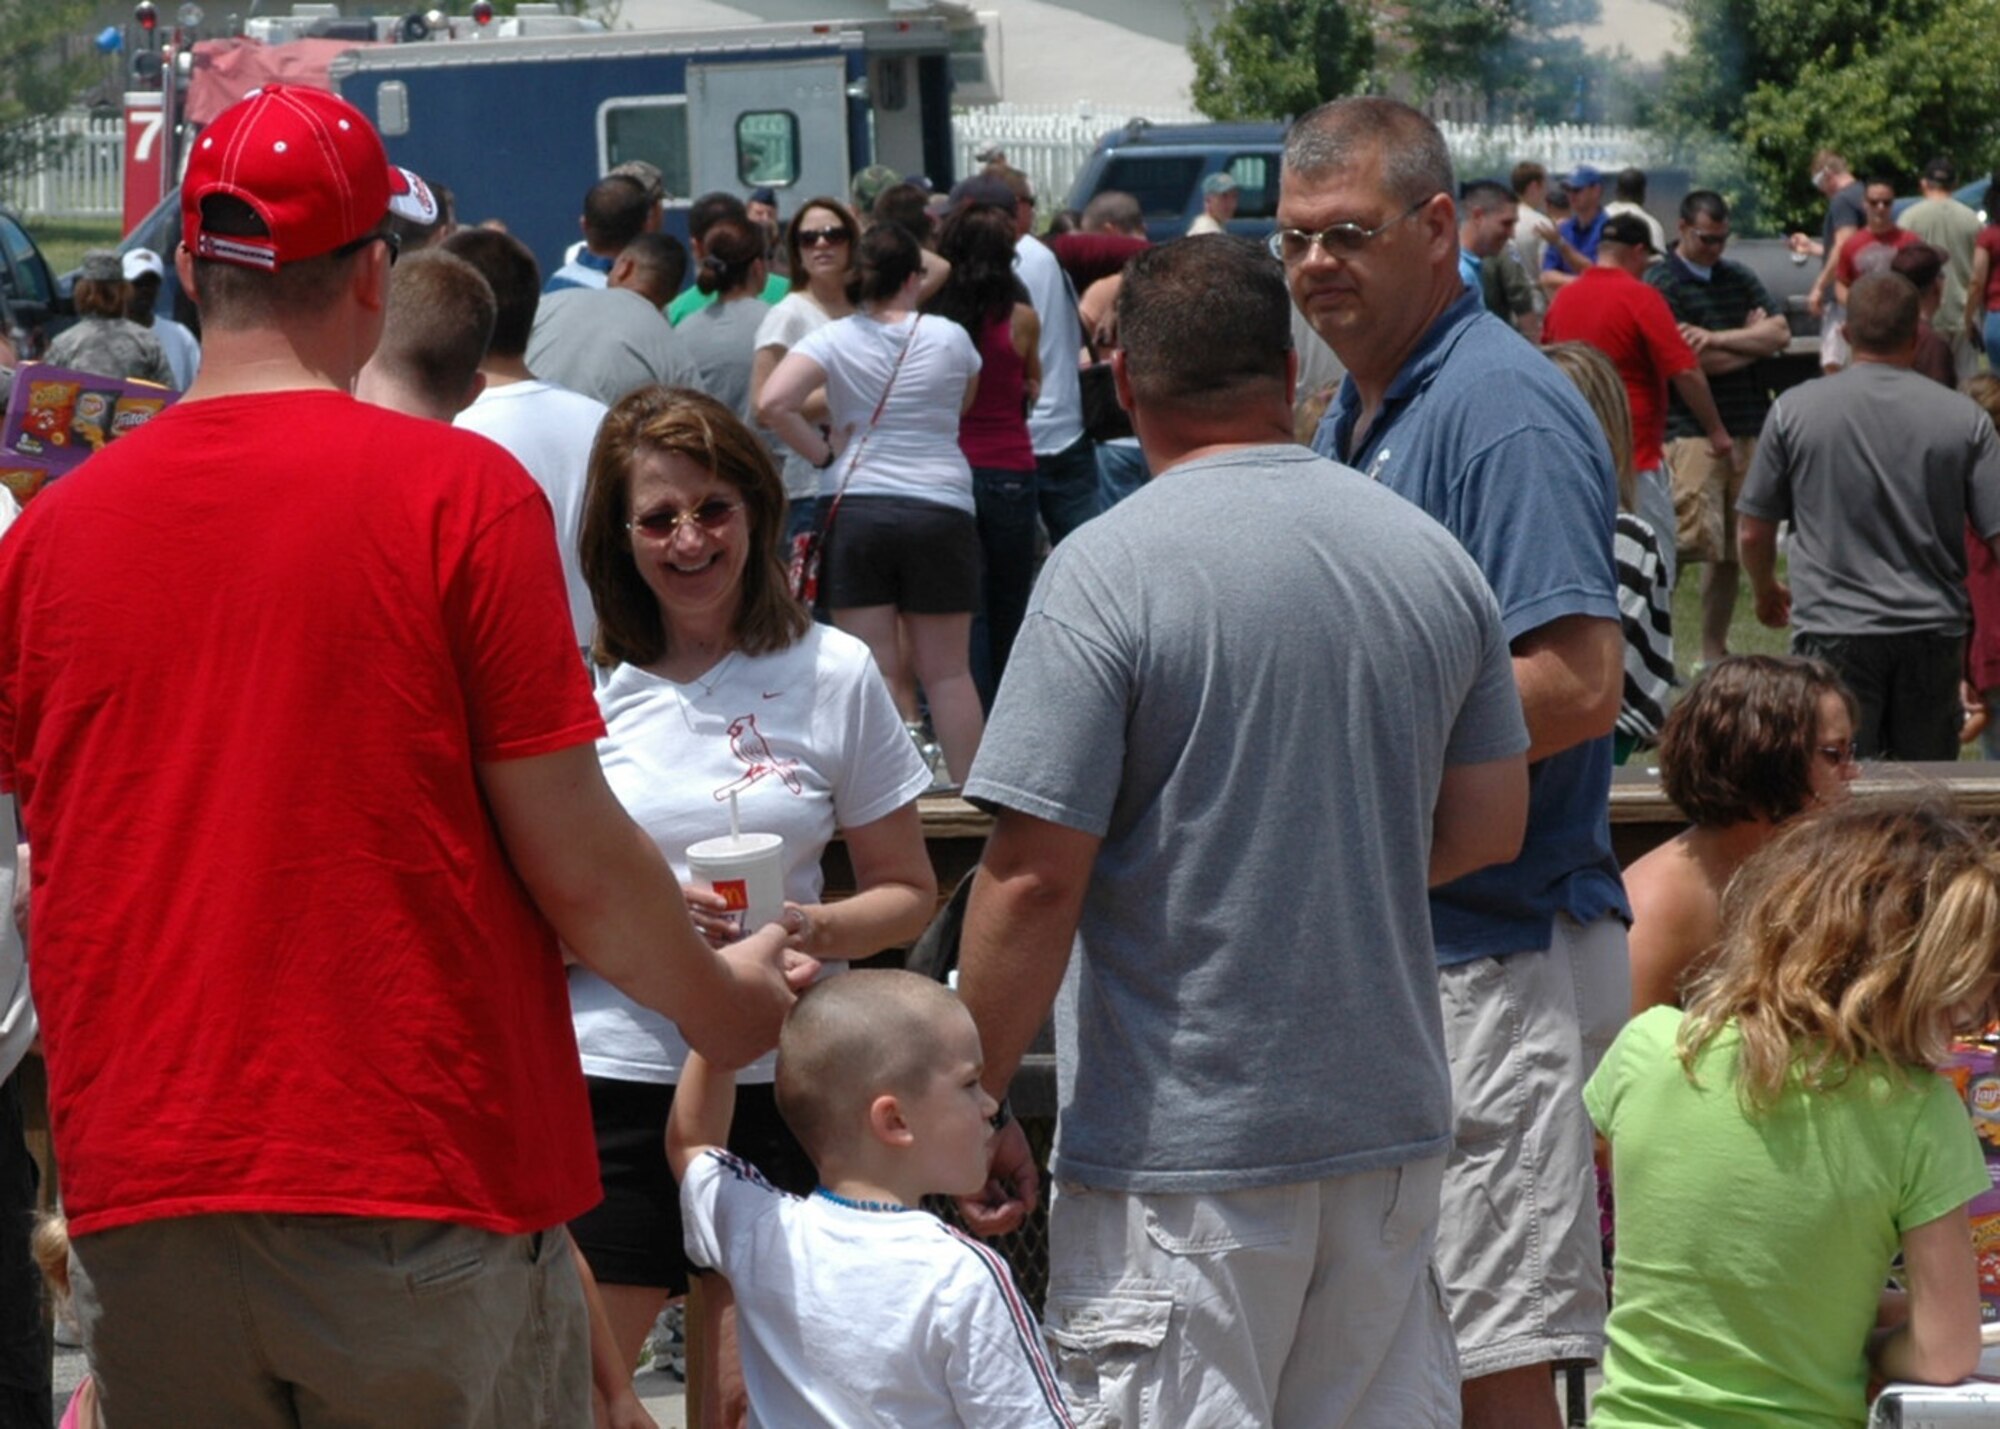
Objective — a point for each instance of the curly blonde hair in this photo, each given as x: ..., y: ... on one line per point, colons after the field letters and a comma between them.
x: 1858, y: 933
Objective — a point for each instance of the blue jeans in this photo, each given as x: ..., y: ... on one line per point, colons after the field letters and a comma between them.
x: 1121, y: 470
x: 1066, y: 487
x: 1991, y: 333
x: 1005, y: 502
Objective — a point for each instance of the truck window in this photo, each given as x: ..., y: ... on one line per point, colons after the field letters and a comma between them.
x: 654, y: 129
x: 1256, y: 194
x: 1161, y: 182
x: 27, y: 260
x: 767, y: 148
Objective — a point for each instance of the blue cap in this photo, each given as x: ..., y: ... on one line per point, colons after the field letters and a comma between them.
x: 1582, y: 177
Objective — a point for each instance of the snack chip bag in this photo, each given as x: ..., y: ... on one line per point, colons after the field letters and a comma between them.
x: 92, y: 423
x: 131, y: 413
x: 51, y: 405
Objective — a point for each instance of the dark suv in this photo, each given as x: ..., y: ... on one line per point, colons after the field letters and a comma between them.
x: 1163, y: 165
x: 26, y: 288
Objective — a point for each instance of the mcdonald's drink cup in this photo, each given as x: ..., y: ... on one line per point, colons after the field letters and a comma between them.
x: 747, y: 871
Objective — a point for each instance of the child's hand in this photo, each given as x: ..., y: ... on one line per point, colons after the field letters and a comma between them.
x: 1012, y: 1191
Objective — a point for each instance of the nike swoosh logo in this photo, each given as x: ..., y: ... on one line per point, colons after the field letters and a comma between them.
x: 772, y: 694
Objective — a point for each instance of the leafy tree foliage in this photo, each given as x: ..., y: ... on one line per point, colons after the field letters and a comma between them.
x: 44, y: 61
x: 1267, y: 59
x: 1887, y: 83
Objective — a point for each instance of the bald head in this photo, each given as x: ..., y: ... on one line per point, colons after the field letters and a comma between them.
x: 851, y: 1039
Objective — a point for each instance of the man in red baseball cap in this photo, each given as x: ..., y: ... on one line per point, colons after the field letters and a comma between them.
x: 297, y: 725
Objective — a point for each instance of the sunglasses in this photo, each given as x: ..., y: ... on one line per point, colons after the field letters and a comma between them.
x: 1292, y: 245
x: 388, y: 240
x: 664, y: 524
x: 1840, y: 755
x: 822, y: 237
x: 1709, y: 240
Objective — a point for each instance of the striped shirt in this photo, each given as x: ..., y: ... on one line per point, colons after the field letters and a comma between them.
x: 1722, y: 301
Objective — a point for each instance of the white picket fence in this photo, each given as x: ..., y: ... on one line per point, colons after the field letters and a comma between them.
x: 81, y: 175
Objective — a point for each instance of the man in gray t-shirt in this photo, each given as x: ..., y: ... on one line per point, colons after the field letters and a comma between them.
x: 1879, y: 470
x: 1254, y: 712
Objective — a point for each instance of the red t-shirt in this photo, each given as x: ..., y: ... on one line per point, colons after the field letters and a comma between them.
x: 1866, y: 252
x: 1628, y: 321
x: 1989, y: 239
x: 281, y: 960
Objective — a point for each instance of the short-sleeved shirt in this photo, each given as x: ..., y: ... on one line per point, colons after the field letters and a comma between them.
x: 1630, y: 323
x: 1583, y: 237
x: 851, y: 1317
x: 693, y: 300
x: 1953, y: 229
x: 923, y: 364
x: 257, y: 651
x: 112, y: 347
x: 784, y: 327
x: 808, y: 740
x: 1878, y: 469
x: 1866, y: 252
x: 1489, y: 438
x: 1247, y: 679
x: 603, y: 342
x: 1719, y: 302
x: 1752, y: 1249
x: 720, y: 339
x: 1848, y: 208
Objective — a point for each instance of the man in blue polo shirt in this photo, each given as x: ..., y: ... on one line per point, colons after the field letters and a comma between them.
x: 1574, y: 250
x: 1447, y: 406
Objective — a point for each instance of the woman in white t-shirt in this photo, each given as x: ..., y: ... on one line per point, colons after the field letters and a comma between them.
x: 714, y: 681
x: 900, y: 535
x: 820, y: 246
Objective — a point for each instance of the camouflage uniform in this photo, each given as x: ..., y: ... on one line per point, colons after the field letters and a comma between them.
x: 112, y: 347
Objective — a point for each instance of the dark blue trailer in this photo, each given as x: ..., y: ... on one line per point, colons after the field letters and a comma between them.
x: 520, y: 128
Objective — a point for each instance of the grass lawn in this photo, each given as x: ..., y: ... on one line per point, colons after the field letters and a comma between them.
x: 63, y: 240
x: 1746, y: 636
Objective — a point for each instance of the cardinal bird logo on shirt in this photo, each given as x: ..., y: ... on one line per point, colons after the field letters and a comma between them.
x: 748, y: 744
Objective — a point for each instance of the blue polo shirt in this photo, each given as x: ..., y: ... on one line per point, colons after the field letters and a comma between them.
x: 1485, y: 434
x: 1584, y: 240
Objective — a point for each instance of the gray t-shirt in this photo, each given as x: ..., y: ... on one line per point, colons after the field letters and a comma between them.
x: 603, y: 342
x: 720, y: 340
x: 1878, y: 469
x: 1247, y: 678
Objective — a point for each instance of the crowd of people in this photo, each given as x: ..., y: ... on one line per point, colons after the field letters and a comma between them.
x: 369, y: 710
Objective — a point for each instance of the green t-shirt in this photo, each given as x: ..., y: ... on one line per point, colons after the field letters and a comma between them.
x: 693, y: 300
x: 1752, y: 1251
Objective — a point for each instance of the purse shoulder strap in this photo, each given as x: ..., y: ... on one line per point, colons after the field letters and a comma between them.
x: 862, y: 445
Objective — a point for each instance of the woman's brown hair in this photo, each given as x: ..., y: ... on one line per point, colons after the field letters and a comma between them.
x: 677, y: 419
x: 1739, y: 744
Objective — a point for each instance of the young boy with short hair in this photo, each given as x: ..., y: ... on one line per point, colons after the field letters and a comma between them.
x: 854, y: 1307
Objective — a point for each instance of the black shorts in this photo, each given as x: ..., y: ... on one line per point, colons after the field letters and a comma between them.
x: 920, y: 556
x: 633, y: 1236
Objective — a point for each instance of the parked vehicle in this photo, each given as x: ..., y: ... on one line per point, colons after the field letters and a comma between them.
x: 519, y: 128
x: 27, y: 290
x: 1163, y: 165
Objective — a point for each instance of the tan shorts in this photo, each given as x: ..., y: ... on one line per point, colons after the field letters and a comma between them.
x: 1518, y: 1241
x: 1705, y: 491
x: 335, y: 1321
x: 1314, y: 1304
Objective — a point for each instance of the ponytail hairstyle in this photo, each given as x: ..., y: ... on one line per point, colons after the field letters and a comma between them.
x: 730, y: 248
x: 887, y: 258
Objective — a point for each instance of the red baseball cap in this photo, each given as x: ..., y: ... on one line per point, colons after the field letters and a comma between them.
x: 307, y: 163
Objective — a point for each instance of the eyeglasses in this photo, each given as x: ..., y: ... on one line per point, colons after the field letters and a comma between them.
x: 388, y: 240
x: 1709, y: 240
x: 1339, y: 240
x: 663, y: 525
x: 1840, y: 755
x: 1879, y: 202
x: 816, y: 237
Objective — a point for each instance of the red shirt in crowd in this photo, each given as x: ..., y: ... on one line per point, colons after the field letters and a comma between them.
x: 256, y: 651
x: 1866, y: 253
x: 1629, y: 322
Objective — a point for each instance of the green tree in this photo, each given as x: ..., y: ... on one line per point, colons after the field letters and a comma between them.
x: 1504, y: 50
x: 1888, y: 83
x: 1270, y: 59
x: 45, y: 61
